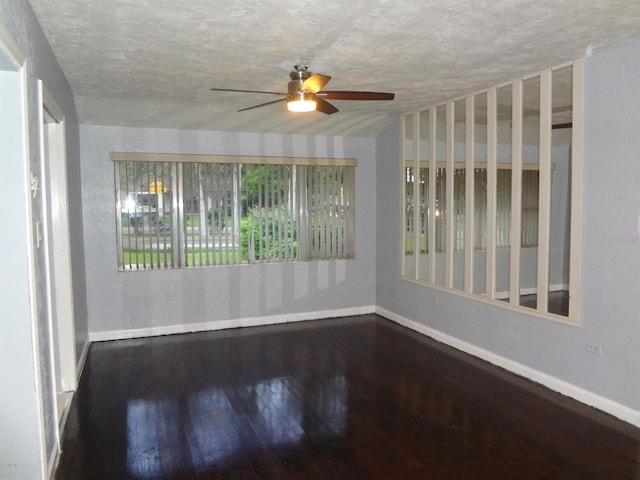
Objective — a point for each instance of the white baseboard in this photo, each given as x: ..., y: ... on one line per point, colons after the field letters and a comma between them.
x: 63, y: 414
x: 587, y: 397
x: 54, y: 456
x: 82, y: 360
x: 225, y: 324
x: 52, y: 464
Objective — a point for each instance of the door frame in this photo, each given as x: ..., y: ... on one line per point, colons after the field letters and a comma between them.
x: 58, y: 246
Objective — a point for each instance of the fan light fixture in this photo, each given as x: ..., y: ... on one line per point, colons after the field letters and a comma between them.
x: 305, y: 93
x: 300, y: 102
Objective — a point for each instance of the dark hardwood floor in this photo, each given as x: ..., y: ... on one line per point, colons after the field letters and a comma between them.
x: 349, y: 398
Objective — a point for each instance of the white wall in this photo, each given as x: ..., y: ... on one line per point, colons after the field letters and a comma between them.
x: 19, y: 455
x: 136, y: 303
x: 28, y: 441
x: 554, y: 352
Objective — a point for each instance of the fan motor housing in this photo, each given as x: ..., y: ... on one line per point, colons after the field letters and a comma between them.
x: 296, y: 87
x: 300, y: 72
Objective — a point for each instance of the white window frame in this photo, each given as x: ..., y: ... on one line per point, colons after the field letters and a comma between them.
x: 334, y: 239
x: 412, y: 158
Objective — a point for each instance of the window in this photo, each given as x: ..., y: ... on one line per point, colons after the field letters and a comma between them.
x: 177, y: 211
x: 503, y: 194
x: 491, y: 193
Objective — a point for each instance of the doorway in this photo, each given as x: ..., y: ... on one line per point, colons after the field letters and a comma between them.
x: 58, y: 251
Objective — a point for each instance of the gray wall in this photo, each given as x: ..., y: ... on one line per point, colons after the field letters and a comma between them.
x: 123, y: 301
x: 21, y: 450
x: 611, y: 254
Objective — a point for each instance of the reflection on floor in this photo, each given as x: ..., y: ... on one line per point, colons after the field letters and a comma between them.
x: 353, y: 398
x: 558, y: 302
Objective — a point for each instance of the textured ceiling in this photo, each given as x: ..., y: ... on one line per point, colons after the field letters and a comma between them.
x: 152, y: 62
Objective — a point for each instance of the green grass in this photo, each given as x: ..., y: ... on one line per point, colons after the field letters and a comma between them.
x: 164, y: 257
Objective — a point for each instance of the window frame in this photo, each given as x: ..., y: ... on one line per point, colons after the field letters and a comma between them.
x: 414, y: 159
x: 178, y: 206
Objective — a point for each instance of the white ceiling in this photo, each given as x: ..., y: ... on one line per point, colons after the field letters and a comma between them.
x: 152, y: 63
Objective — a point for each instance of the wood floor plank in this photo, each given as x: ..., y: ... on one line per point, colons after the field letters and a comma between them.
x: 348, y: 398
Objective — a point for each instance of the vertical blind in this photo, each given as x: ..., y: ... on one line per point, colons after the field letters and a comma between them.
x: 181, y: 213
x: 530, y: 195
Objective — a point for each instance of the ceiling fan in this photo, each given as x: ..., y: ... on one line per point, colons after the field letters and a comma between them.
x: 305, y: 93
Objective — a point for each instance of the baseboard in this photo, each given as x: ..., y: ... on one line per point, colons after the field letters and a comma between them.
x: 62, y: 419
x: 82, y: 360
x: 52, y: 464
x: 587, y: 397
x: 226, y: 324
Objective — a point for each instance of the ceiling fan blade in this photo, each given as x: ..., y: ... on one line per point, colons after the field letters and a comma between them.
x: 325, y: 107
x: 246, y: 91
x: 346, y: 95
x: 261, y: 105
x: 315, y: 82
